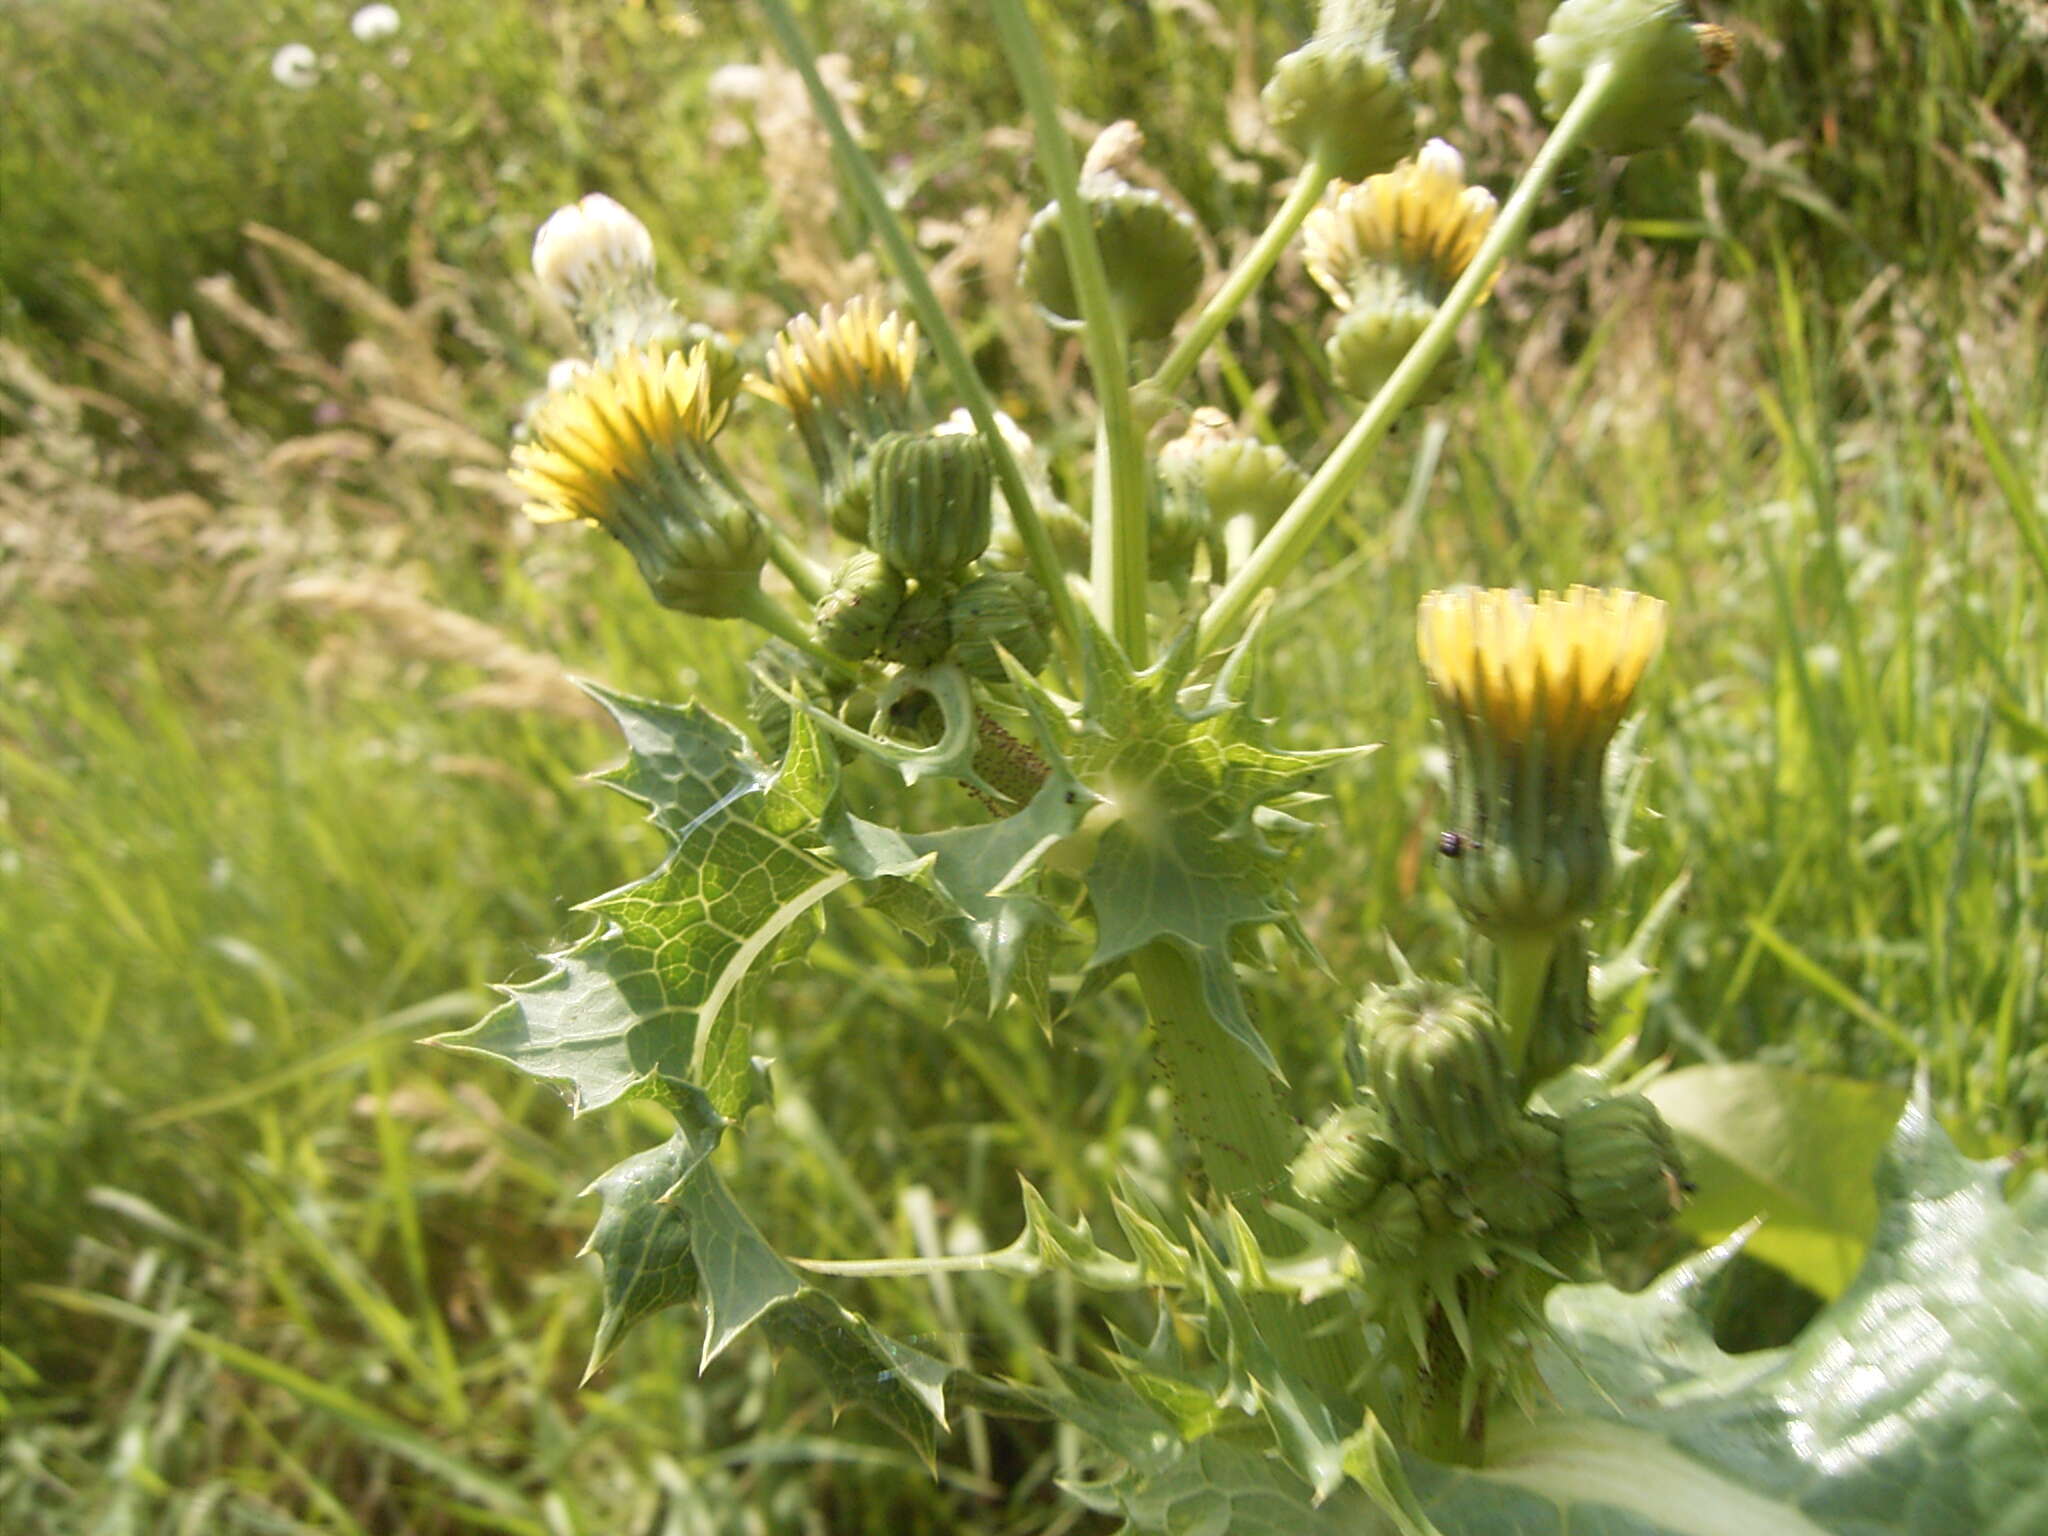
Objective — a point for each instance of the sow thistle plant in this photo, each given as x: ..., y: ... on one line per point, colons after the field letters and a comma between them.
x: 1347, y: 1313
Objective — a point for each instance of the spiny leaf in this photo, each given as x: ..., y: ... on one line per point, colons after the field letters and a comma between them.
x: 657, y: 997
x: 1187, y: 859
x: 967, y: 889
x: 643, y: 1239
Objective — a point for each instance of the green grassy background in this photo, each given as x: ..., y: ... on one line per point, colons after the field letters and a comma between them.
x: 288, y: 771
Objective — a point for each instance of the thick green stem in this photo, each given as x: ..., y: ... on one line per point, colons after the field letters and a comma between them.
x: 1246, y: 276
x: 1292, y: 536
x: 1230, y: 1108
x: 1522, y: 963
x: 867, y: 189
x: 804, y: 574
x: 1120, y: 515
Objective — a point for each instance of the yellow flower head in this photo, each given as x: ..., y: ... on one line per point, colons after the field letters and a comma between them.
x: 627, y: 445
x: 1530, y: 691
x: 1559, y: 670
x: 1419, y: 218
x: 611, y: 429
x: 842, y: 361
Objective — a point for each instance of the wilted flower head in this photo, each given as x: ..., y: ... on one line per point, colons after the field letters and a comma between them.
x: 295, y: 66
x: 1419, y: 217
x: 374, y: 23
x: 627, y: 445
x: 1530, y: 691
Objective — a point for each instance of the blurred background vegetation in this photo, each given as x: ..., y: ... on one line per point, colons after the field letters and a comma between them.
x: 289, y: 755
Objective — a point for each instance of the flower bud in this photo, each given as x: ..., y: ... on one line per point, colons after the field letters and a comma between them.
x: 1346, y: 1162
x: 1067, y: 529
x: 920, y: 634
x: 1660, y: 63
x: 1151, y: 249
x: 1622, y: 1168
x: 1388, y: 251
x: 1343, y: 96
x: 596, y: 259
x: 846, y: 378
x: 1520, y: 1188
x: 1434, y: 1058
x: 1530, y: 692
x: 1240, y: 476
x: 1176, y: 522
x: 1390, y: 1230
x: 854, y: 613
x: 999, y: 609
x: 627, y: 446
x: 929, y: 512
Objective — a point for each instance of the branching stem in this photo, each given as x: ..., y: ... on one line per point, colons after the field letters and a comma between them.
x: 1292, y: 536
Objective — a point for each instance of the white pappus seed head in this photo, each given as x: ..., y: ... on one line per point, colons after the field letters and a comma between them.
x: 593, y: 243
x: 374, y: 23
x: 295, y: 66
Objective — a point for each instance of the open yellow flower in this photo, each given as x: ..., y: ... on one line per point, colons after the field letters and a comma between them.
x: 846, y: 361
x: 1388, y: 251
x: 627, y: 445
x: 1420, y: 218
x: 1530, y: 692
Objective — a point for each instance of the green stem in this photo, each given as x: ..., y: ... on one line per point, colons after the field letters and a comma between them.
x: 1119, y: 562
x: 867, y: 189
x: 1230, y: 1108
x: 1292, y: 536
x: 804, y: 573
x: 1523, y: 962
x: 1249, y: 272
x: 764, y: 611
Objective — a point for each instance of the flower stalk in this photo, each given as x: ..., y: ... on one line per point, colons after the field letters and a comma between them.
x: 1291, y: 538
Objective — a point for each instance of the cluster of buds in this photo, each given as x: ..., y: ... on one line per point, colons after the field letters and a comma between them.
x: 1461, y: 1205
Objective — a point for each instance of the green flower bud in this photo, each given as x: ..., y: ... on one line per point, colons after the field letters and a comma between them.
x: 1652, y: 48
x: 1000, y: 608
x: 864, y: 597
x: 1067, y: 528
x: 1390, y: 1230
x: 930, y: 512
x: 1622, y: 1168
x: 1346, y: 1162
x: 1369, y: 343
x: 1434, y: 1058
x: 1343, y: 99
x: 1240, y: 476
x: 1520, y: 1188
x: 1530, y: 693
x: 1177, y: 520
x: 919, y: 635
x: 627, y: 445
x: 1151, y: 249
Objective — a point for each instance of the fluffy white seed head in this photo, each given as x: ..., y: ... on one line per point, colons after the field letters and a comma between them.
x: 295, y: 66
x: 592, y: 244
x: 374, y: 23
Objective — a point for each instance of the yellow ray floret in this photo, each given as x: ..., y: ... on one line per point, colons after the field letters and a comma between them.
x: 1559, y: 669
x: 840, y: 359
x: 606, y: 430
x: 1420, y: 217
